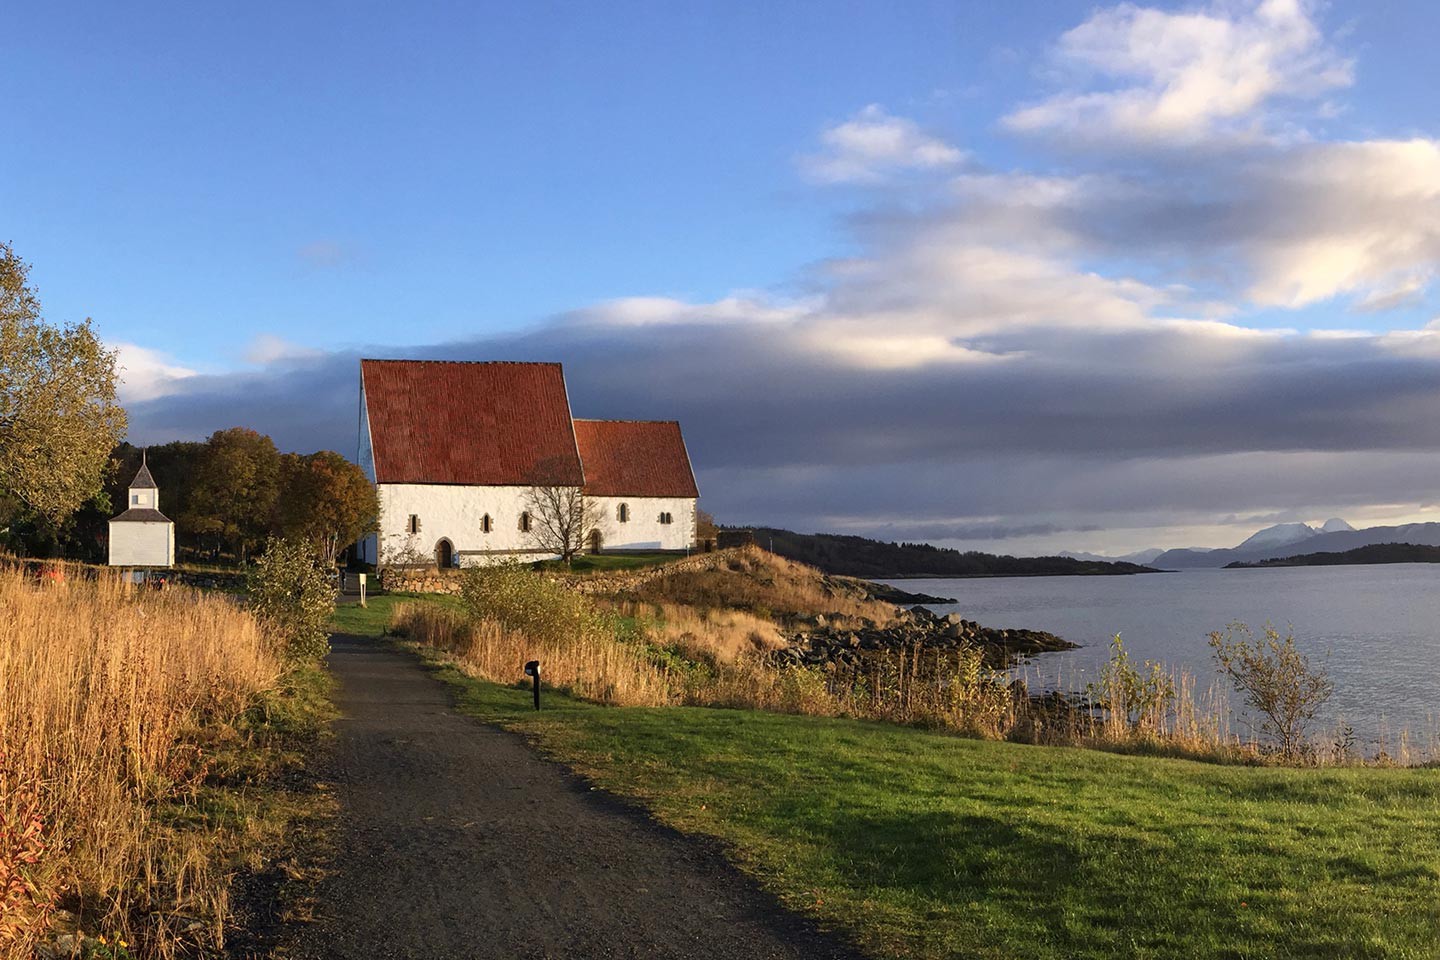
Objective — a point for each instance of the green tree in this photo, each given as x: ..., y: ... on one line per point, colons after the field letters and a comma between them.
x: 1277, y: 681
x: 59, y: 418
x: 327, y: 501
x: 232, y: 499
x: 293, y: 595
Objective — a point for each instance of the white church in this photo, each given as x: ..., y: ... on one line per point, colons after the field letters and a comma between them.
x: 456, y: 448
x: 142, y: 536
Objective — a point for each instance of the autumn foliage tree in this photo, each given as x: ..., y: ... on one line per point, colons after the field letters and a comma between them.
x: 59, y: 417
x: 233, y: 493
x: 327, y: 502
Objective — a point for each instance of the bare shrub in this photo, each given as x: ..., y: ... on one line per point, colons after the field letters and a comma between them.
x: 1277, y: 682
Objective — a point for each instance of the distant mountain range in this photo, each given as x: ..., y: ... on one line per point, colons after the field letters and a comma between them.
x: 1142, y: 557
x: 1290, y: 539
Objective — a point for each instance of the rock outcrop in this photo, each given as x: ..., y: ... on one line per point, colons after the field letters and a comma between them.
x: 819, y: 642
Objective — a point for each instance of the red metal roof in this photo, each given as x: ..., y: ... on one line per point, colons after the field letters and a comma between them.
x: 635, y: 458
x: 500, y: 424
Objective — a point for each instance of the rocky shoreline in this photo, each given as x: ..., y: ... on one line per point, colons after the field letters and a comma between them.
x: 818, y: 642
x: 889, y: 594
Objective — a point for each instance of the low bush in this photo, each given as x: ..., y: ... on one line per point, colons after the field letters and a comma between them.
x: 293, y: 594
x: 1277, y: 681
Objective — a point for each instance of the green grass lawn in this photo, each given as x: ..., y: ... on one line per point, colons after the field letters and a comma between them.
x: 373, y: 619
x: 927, y: 845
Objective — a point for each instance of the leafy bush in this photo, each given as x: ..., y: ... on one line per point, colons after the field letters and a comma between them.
x: 1134, y: 699
x: 1277, y: 681
x: 293, y: 594
x: 517, y: 598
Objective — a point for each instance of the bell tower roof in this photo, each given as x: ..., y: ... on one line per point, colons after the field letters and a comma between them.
x: 143, y: 480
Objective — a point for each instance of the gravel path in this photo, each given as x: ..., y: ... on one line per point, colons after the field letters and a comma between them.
x: 457, y: 840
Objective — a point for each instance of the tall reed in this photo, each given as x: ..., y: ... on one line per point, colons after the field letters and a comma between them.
x: 106, y: 692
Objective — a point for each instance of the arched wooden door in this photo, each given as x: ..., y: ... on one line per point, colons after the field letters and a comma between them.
x: 595, y: 541
x: 444, y: 554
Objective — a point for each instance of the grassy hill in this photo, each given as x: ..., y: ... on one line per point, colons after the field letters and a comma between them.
x: 863, y: 557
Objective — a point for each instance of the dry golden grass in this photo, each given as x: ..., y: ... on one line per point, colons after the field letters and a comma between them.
x: 760, y: 582
x: 586, y: 663
x: 719, y: 634
x: 105, y: 695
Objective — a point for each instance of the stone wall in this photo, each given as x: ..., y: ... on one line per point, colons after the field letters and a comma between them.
x: 420, y: 580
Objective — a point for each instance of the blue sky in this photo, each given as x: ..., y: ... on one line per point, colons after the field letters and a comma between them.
x: 193, y: 175
x: 873, y: 205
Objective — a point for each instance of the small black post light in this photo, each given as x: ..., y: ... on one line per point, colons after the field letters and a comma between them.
x: 532, y: 670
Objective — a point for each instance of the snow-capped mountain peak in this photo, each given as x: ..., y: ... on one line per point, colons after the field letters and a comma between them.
x: 1335, y: 525
x: 1278, y: 535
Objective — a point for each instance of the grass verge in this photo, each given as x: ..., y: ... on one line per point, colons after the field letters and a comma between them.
x: 927, y: 845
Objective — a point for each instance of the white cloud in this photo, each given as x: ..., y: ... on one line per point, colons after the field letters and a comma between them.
x: 268, y: 348
x: 146, y: 374
x: 1325, y: 219
x: 872, y: 145
x: 1181, y: 77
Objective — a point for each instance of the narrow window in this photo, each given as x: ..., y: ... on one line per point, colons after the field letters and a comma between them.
x: 413, y: 524
x: 622, y: 513
x: 525, y: 522
x: 134, y: 498
x: 665, y: 518
x: 486, y: 524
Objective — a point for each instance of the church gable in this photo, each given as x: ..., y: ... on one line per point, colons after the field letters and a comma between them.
x: 635, y: 458
x: 474, y: 424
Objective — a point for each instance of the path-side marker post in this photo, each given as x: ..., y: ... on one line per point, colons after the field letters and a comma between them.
x: 362, y: 589
x: 532, y: 670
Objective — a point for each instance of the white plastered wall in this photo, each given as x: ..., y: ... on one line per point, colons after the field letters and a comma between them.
x: 455, y: 513
x: 142, y: 544
x: 644, y: 531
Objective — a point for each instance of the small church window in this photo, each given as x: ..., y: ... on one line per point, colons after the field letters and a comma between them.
x: 486, y: 524
x: 413, y: 524
x: 134, y: 498
x: 622, y: 513
x: 666, y: 518
x: 525, y: 522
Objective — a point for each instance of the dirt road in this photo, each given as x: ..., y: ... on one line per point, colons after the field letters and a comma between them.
x: 457, y: 840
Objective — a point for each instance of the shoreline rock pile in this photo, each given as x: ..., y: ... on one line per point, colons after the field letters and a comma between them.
x: 819, y: 642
